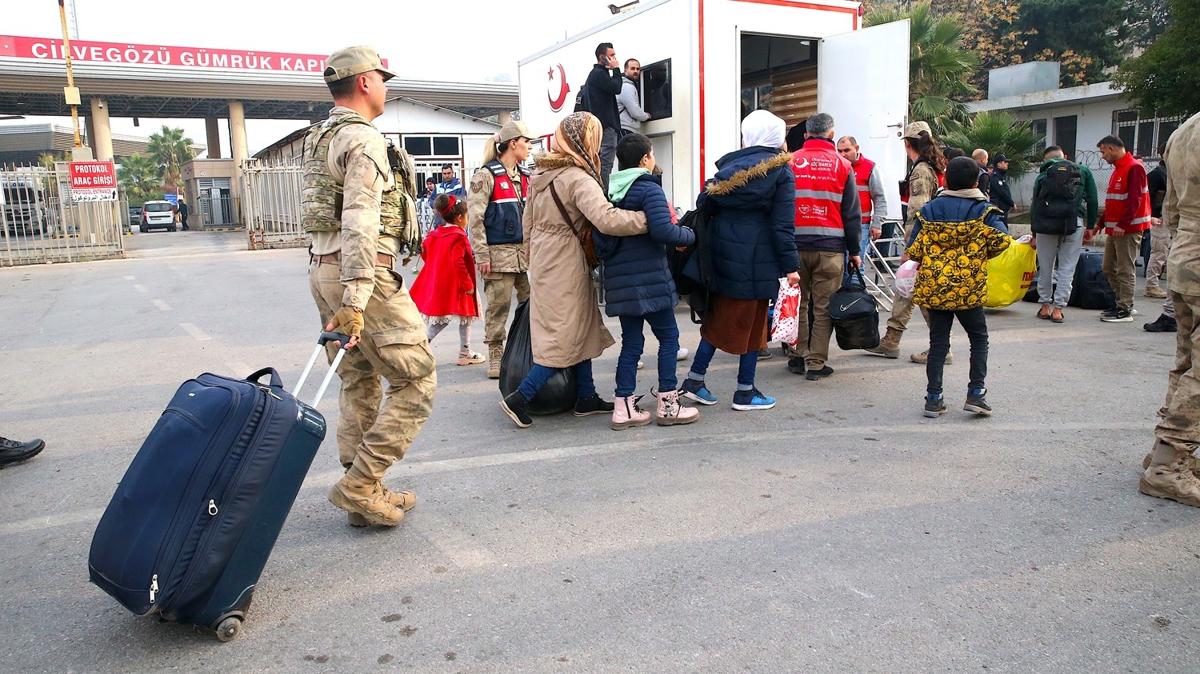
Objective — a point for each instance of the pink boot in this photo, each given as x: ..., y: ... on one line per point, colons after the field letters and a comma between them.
x: 671, y: 413
x: 626, y: 414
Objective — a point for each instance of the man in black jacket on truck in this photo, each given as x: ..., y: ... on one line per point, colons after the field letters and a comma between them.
x: 603, y: 85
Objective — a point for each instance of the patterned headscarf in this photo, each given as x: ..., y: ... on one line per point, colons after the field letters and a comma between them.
x: 577, y: 139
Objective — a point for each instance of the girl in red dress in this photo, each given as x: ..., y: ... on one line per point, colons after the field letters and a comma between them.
x: 445, y: 288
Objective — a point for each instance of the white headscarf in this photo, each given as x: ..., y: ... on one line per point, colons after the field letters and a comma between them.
x: 763, y: 128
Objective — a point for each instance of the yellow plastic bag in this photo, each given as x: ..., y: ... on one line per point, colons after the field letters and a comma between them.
x: 1009, y: 275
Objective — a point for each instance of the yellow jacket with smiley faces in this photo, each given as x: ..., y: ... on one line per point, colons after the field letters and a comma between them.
x: 952, y: 248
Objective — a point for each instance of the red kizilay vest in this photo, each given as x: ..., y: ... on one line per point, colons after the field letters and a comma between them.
x: 821, y: 175
x: 862, y: 178
x: 1118, y: 195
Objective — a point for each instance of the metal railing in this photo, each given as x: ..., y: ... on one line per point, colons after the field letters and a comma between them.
x: 40, y: 223
x: 271, y: 197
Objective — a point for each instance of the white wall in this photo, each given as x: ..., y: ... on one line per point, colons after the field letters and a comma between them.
x: 405, y: 117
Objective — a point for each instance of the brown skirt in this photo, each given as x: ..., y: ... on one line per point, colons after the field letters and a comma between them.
x: 736, y: 326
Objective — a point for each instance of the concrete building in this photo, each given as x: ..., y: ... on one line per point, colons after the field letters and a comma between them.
x: 1073, y: 117
x: 25, y: 143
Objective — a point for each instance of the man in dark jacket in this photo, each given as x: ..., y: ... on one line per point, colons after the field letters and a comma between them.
x: 604, y: 83
x: 828, y: 229
x: 980, y: 156
x: 999, y: 191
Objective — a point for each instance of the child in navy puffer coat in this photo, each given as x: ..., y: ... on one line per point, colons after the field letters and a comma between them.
x: 638, y: 287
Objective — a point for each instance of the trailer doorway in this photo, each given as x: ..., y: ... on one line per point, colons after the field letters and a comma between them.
x: 779, y: 74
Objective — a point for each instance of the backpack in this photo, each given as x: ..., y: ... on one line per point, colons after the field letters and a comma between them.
x: 1056, y: 206
x: 581, y: 100
x: 698, y: 290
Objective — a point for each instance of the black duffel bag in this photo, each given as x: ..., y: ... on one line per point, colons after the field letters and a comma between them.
x: 855, y: 315
x: 558, y: 395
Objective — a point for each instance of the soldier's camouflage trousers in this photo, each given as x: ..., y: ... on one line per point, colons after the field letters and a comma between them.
x: 1180, y: 428
x: 498, y: 288
x: 392, y: 346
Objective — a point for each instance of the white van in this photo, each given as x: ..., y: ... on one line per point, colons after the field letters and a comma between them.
x: 158, y: 215
x: 708, y: 63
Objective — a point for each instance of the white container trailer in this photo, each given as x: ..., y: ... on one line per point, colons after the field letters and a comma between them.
x: 708, y: 63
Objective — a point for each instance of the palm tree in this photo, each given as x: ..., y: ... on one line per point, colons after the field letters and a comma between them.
x: 171, y: 149
x: 139, y: 176
x: 940, y: 67
x: 998, y: 133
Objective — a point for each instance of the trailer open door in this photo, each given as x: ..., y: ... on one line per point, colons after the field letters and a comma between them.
x: 862, y: 80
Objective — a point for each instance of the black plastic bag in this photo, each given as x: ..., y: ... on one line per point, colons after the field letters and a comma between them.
x: 558, y: 395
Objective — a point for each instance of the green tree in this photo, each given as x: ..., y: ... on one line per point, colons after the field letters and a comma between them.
x: 47, y: 159
x: 171, y: 149
x: 940, y: 67
x: 1083, y: 34
x: 998, y: 133
x: 1165, y: 79
x: 139, y: 176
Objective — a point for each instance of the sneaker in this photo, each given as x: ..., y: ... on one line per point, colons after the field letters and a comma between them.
x: 682, y: 354
x: 977, y: 404
x: 12, y: 451
x: 470, y: 358
x: 517, y: 408
x: 935, y: 408
x: 821, y: 373
x: 796, y: 366
x: 1117, y: 316
x: 765, y: 354
x: 593, y: 404
x: 1163, y: 323
x: 1156, y: 293
x: 696, y: 392
x: 745, y: 401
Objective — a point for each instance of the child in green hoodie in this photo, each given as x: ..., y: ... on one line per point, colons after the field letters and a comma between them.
x: 639, y: 288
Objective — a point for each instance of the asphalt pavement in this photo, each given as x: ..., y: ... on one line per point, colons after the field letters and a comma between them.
x: 841, y: 531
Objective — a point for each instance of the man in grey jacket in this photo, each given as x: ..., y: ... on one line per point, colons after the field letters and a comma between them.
x: 629, y: 101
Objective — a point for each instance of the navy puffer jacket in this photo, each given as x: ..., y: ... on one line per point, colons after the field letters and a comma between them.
x: 751, y: 202
x: 637, y: 280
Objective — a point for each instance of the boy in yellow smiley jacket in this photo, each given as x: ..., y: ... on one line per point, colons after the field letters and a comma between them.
x: 955, y: 234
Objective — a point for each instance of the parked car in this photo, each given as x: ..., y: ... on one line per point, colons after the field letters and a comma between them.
x: 135, y: 215
x: 158, y: 215
x: 23, y: 210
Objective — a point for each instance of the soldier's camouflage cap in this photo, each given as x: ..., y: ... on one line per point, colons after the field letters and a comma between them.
x: 352, y: 61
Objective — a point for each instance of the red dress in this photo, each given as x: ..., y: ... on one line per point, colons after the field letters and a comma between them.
x: 446, y: 284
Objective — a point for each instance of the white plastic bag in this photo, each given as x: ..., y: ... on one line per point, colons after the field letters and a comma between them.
x: 787, y: 314
x: 906, y: 278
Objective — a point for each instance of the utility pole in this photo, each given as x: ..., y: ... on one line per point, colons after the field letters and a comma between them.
x: 71, y: 92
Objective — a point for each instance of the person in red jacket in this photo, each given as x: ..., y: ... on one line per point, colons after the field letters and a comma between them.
x: 1126, y: 216
x: 445, y: 288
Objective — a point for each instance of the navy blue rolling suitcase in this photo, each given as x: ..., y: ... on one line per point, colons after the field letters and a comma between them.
x: 195, y: 517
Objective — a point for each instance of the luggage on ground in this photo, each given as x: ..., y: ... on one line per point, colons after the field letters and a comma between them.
x: 1090, y: 289
x: 558, y: 395
x: 195, y: 517
x: 855, y: 315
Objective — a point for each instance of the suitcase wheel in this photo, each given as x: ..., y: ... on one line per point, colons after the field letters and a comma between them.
x: 228, y: 629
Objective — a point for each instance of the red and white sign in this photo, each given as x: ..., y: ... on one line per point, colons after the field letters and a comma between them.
x: 93, y: 181
x: 51, y: 49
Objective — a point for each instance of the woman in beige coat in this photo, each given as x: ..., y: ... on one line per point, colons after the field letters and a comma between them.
x: 565, y: 325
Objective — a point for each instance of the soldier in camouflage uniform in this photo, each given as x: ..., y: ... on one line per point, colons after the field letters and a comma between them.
x: 495, y: 208
x: 1171, y: 466
x: 362, y: 218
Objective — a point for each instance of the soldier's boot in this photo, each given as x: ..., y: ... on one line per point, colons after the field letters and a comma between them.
x: 1150, y: 457
x: 365, y: 497
x: 923, y: 357
x: 404, y: 500
x: 889, y: 346
x: 495, y: 353
x: 1171, y: 476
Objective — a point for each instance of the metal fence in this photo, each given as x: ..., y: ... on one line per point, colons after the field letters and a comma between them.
x: 271, y: 196
x: 39, y: 222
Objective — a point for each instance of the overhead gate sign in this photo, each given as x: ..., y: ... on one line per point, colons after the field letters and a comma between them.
x: 93, y: 181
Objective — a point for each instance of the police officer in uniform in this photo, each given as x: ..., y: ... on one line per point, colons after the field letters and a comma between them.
x: 495, y: 208
x: 361, y: 219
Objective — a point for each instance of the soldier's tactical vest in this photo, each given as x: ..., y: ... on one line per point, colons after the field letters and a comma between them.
x: 502, y: 219
x: 398, y: 207
x: 321, y: 195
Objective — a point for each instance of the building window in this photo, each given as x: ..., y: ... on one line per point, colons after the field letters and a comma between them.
x: 1066, y: 130
x: 1145, y: 137
x: 446, y: 146
x: 418, y: 146
x: 433, y: 146
x: 1038, y: 126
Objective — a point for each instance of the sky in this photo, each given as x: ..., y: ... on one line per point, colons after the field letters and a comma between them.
x: 460, y: 40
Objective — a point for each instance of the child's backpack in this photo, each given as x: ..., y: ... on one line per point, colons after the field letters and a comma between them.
x: 1056, y: 210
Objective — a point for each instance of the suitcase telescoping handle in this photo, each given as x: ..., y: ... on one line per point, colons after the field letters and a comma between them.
x: 325, y: 338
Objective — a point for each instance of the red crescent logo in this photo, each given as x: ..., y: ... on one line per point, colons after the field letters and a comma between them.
x: 556, y: 104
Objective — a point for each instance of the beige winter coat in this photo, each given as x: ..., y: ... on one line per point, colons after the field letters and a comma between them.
x: 564, y: 313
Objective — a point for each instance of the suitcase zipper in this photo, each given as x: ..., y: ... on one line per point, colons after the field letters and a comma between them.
x: 170, y: 542
x: 212, y: 505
